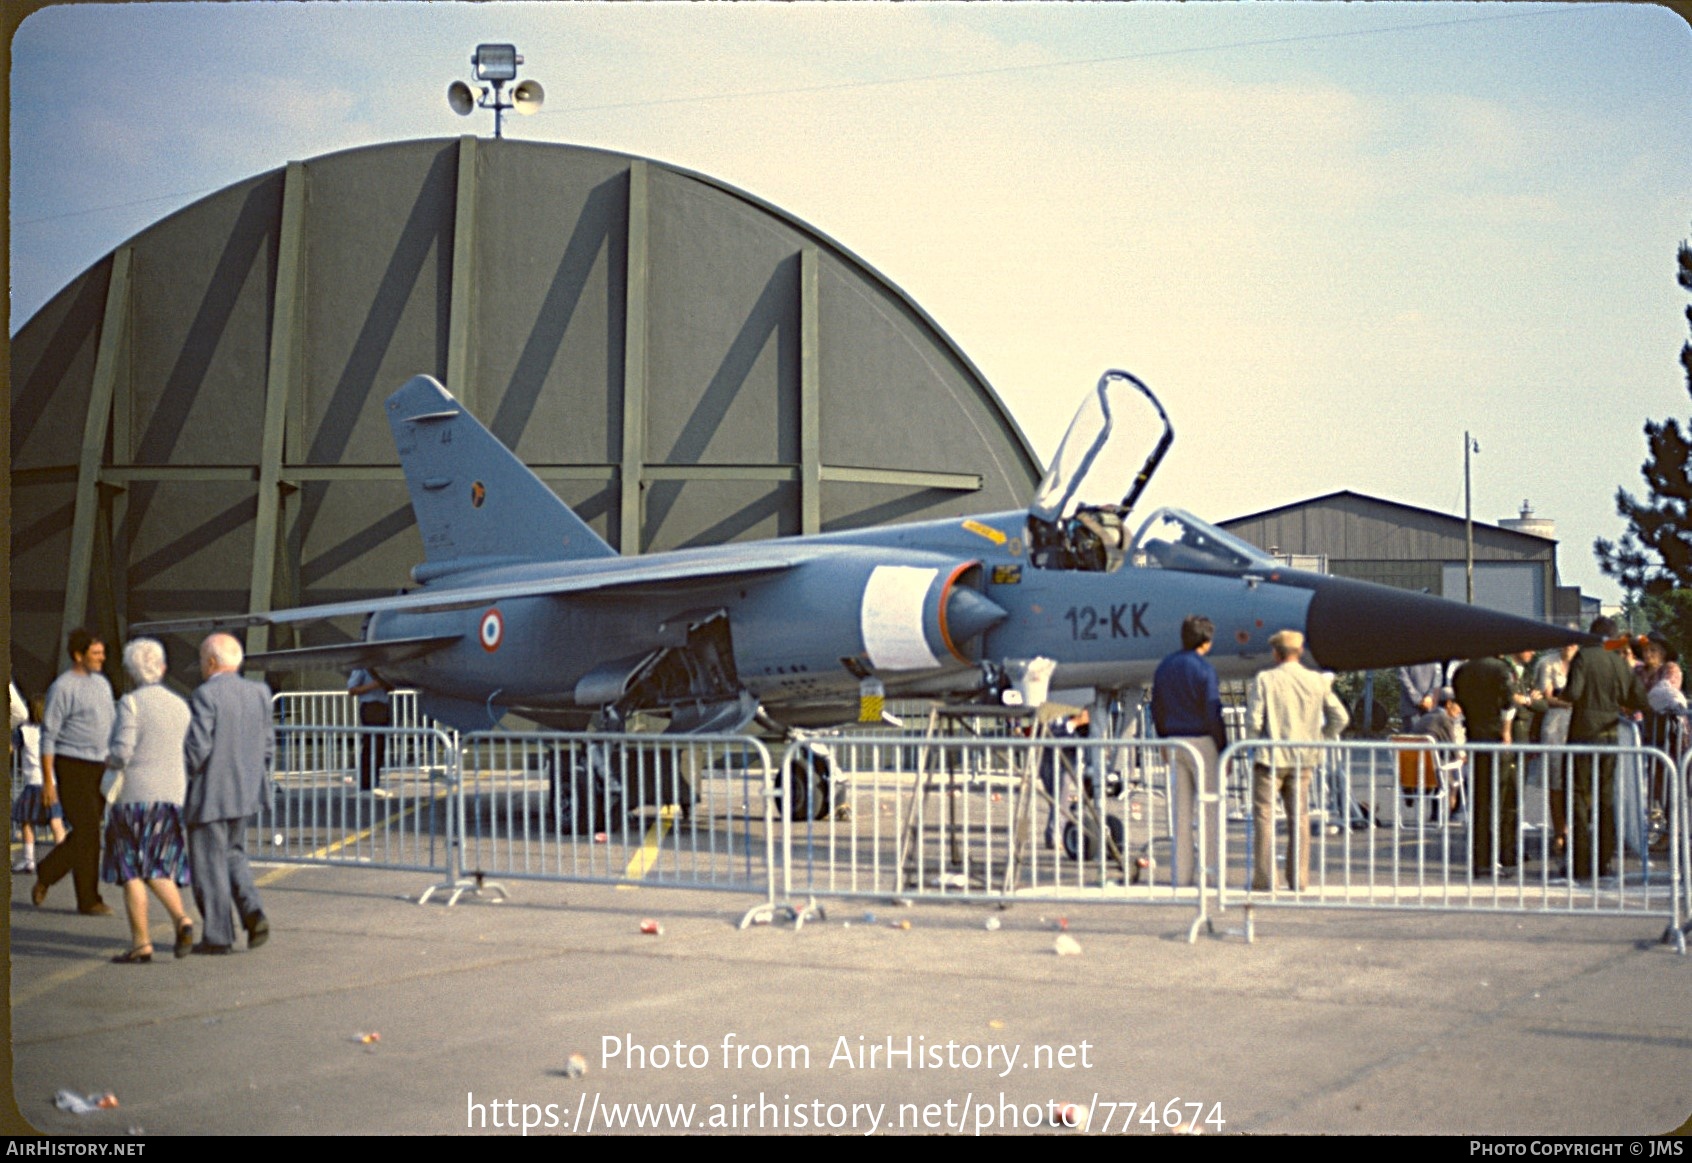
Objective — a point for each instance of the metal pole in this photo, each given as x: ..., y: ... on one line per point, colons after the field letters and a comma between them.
x: 1468, y: 525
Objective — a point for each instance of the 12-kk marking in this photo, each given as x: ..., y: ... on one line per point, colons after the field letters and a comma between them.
x: 1089, y: 625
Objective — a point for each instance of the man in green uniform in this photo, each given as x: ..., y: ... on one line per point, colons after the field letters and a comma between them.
x: 1485, y: 689
x: 1601, y: 688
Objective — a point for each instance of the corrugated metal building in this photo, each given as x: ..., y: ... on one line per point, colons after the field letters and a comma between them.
x: 1353, y: 535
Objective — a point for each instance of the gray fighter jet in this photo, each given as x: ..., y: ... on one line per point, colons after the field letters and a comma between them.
x: 519, y: 606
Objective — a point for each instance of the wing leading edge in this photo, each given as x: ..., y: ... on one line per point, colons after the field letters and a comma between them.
x: 350, y: 655
x: 626, y: 575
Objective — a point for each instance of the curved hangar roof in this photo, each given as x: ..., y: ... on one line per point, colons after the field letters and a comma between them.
x: 197, y: 419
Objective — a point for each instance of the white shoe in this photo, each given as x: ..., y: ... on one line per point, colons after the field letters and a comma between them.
x: 24, y: 866
x: 381, y: 793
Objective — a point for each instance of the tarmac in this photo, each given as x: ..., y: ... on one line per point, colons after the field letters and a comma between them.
x: 369, y: 1014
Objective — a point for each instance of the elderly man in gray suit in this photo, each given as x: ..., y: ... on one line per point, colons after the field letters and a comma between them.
x: 228, y: 750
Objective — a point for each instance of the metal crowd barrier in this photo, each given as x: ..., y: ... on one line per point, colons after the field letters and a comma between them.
x: 679, y: 811
x: 960, y: 818
x: 987, y: 818
x: 1396, y: 825
x: 321, y: 814
x: 340, y: 709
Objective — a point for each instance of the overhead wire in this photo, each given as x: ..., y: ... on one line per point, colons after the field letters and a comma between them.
x: 114, y: 206
x: 1150, y: 54
x: 963, y: 74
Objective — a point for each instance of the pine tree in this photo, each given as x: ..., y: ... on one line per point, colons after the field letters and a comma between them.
x: 1654, y: 556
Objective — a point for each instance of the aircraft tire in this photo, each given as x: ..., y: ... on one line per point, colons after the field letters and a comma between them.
x: 584, y: 808
x: 811, y: 779
x: 1075, y: 850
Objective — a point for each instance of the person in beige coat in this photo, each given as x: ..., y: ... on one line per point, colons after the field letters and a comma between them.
x: 1289, y: 702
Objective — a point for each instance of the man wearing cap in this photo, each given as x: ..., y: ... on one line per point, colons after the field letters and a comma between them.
x: 1187, y: 707
x: 1287, y: 702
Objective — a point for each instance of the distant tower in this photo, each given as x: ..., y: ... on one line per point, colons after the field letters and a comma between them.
x: 1528, y: 523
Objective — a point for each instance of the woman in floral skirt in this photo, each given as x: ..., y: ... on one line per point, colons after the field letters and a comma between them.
x: 146, y: 842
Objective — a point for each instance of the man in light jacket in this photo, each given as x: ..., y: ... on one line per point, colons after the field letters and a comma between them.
x: 228, y: 750
x: 1288, y: 702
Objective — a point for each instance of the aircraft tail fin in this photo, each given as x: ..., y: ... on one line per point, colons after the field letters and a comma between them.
x: 473, y: 498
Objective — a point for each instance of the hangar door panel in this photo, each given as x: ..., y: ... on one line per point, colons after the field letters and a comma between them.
x: 41, y: 527
x: 360, y: 540
x: 190, y: 552
x: 378, y: 280
x: 712, y: 512
x: 52, y: 369
x: 200, y: 307
x: 1508, y: 587
x: 723, y: 331
x: 852, y: 505
x: 895, y: 399
x: 550, y: 290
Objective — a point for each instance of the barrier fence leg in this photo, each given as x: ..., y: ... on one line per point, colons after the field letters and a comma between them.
x: 1205, y: 804
x: 1680, y: 858
x: 457, y: 883
x: 766, y: 912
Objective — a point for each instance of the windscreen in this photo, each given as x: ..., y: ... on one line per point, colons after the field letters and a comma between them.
x: 1175, y: 539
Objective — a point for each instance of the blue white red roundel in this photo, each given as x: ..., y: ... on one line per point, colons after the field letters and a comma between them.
x: 493, y: 629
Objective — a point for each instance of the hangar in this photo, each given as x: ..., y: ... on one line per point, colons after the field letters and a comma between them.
x: 1354, y: 535
x: 197, y: 423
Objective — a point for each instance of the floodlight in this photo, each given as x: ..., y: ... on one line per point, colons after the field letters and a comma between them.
x: 494, y: 66
x: 496, y: 62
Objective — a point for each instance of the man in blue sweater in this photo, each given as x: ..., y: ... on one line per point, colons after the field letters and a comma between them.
x: 75, y: 731
x: 1187, y: 708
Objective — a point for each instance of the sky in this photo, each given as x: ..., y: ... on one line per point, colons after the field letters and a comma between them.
x: 1332, y: 237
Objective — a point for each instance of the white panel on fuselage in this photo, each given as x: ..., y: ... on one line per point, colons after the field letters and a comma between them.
x: 891, y: 618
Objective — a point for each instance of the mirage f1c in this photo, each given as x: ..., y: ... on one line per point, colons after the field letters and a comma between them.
x: 520, y: 606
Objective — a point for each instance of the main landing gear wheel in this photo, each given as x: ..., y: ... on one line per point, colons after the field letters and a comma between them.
x: 1072, y: 845
x: 810, y: 778
x: 587, y: 801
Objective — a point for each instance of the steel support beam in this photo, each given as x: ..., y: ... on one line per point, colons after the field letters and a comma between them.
x: 958, y: 482
x: 281, y: 376
x: 114, y: 508
x: 122, y: 474
x: 631, y: 510
x: 810, y: 396
x: 94, y: 427
x: 721, y: 472
x: 459, y: 329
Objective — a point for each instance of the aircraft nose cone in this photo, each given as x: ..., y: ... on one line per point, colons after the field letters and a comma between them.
x: 968, y: 614
x: 1354, y: 625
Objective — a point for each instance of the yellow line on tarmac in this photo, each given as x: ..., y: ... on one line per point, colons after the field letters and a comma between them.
x: 54, y: 980
x: 648, y: 854
x: 71, y: 973
x: 162, y: 935
x: 323, y: 853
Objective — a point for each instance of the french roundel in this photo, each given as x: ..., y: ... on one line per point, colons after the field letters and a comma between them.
x: 493, y: 629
